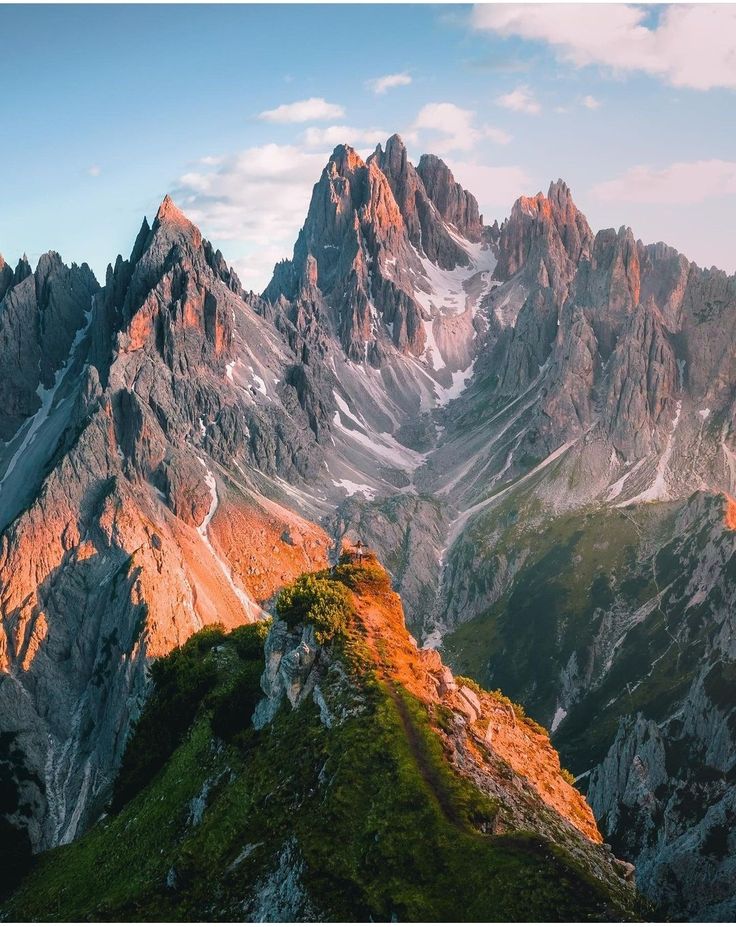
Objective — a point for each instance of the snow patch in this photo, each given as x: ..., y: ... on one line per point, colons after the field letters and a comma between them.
x: 352, y: 488
x: 659, y: 491
x: 559, y: 717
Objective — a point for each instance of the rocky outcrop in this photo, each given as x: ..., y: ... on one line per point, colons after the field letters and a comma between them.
x: 40, y: 316
x: 490, y: 742
x: 454, y: 204
x: 547, y: 237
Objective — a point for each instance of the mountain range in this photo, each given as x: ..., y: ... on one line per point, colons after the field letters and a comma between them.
x: 531, y: 425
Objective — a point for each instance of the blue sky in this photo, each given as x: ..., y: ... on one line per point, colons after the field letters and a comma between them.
x: 107, y: 108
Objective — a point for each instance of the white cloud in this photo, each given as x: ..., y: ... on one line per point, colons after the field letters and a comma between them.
x: 590, y: 102
x: 388, y: 81
x: 315, y: 109
x: 338, y: 135
x: 454, y: 127
x: 682, y: 183
x: 521, y: 100
x: 258, y: 198
x: 690, y: 46
x: 94, y: 170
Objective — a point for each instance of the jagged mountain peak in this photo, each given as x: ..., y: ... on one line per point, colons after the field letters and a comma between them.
x: 344, y: 160
x: 559, y: 191
x: 548, y: 229
x: 168, y: 211
x: 175, y: 223
x: 377, y: 237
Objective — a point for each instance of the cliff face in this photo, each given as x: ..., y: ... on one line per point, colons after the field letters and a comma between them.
x: 369, y: 784
x: 126, y: 547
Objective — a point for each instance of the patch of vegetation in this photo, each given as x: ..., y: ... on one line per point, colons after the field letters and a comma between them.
x: 179, y: 683
x: 317, y: 600
x: 367, y: 576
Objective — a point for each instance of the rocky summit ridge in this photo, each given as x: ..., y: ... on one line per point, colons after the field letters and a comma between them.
x: 531, y: 424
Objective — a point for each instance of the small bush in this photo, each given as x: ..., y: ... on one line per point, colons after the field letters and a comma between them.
x: 470, y: 683
x: 318, y: 601
x: 567, y: 776
x: 248, y: 640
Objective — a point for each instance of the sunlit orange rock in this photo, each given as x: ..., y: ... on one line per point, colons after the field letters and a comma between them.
x: 730, y: 513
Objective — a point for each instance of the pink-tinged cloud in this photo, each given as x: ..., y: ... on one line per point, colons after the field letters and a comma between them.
x: 690, y: 46
x: 521, y: 100
x: 330, y: 136
x: 453, y: 128
x: 682, y: 183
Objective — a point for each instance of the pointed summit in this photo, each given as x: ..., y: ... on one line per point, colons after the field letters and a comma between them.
x: 423, y: 215
x: 456, y: 205
x: 172, y: 220
x: 169, y: 212
x: 345, y: 160
x: 544, y: 225
x: 6, y: 276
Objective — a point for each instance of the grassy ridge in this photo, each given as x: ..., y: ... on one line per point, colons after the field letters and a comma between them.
x: 381, y: 824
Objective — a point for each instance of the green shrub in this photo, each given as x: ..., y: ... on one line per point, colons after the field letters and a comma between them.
x: 248, y: 640
x: 318, y: 601
x: 366, y: 576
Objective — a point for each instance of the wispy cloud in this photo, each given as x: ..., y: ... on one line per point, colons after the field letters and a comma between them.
x: 337, y: 135
x: 690, y: 46
x: 94, y: 170
x: 590, y: 102
x: 258, y: 198
x: 521, y: 100
x: 380, y: 85
x: 682, y: 183
x: 454, y: 129
x: 315, y: 109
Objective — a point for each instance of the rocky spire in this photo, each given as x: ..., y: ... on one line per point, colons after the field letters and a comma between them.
x: 353, y: 259
x: 454, y: 204
x: 6, y: 276
x: 547, y: 237
x: 425, y: 218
